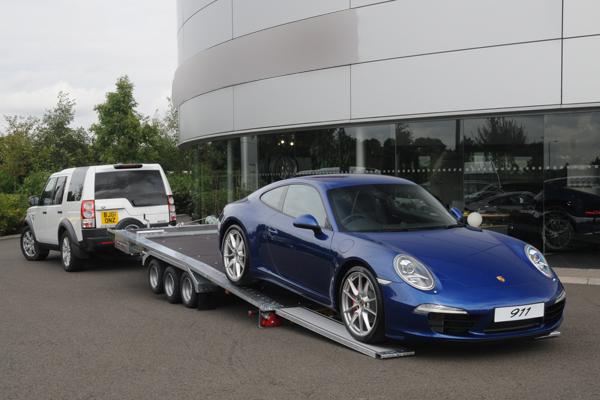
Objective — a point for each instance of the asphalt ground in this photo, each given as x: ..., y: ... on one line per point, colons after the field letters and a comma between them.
x: 101, y: 334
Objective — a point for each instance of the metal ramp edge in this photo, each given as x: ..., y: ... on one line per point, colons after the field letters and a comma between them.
x: 337, y: 332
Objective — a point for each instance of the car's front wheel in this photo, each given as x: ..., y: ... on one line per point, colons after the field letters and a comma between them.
x: 361, y: 305
x: 236, y: 259
x: 30, y: 247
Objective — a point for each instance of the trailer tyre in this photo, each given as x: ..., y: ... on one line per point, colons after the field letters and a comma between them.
x: 156, y: 271
x: 189, y: 297
x: 172, y: 284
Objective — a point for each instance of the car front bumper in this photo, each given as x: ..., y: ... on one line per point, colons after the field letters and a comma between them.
x: 402, y: 323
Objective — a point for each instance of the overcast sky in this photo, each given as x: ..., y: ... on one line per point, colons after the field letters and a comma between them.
x: 82, y: 47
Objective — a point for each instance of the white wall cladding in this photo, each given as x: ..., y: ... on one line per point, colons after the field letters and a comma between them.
x: 251, y: 16
x: 207, y: 114
x: 495, y: 77
x: 581, y: 74
x: 318, y: 96
x: 187, y: 8
x: 410, y: 27
x: 271, y: 64
x: 209, y: 27
x: 582, y: 17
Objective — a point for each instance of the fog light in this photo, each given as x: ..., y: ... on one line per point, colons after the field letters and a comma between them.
x: 437, y: 308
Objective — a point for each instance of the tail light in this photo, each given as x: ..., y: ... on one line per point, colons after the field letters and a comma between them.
x: 88, y: 214
x: 592, y: 213
x: 172, y: 215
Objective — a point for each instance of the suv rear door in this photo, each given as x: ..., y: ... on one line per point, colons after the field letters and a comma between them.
x: 140, y: 194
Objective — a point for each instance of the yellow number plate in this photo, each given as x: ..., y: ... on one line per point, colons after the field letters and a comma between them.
x: 110, y: 217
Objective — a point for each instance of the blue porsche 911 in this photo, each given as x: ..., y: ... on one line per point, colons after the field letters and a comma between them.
x: 390, y: 259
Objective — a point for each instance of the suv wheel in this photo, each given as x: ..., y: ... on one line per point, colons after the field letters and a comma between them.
x: 68, y: 258
x: 30, y: 247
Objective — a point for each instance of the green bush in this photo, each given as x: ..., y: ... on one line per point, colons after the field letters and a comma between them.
x: 13, y: 208
x: 33, y: 184
x: 182, y: 185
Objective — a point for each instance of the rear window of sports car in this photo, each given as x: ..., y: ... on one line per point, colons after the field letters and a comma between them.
x: 142, y: 188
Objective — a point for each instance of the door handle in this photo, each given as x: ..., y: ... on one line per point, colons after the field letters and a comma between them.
x: 44, y: 212
x: 272, y: 231
x: 59, y: 212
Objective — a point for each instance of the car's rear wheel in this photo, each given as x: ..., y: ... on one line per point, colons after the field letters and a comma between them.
x: 236, y: 258
x: 68, y: 258
x: 361, y: 305
x: 30, y: 247
x: 172, y: 283
x: 558, y: 231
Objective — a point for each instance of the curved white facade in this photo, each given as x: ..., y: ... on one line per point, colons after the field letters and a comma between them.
x: 263, y: 65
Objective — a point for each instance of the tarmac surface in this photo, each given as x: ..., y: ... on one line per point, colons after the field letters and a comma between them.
x: 102, y: 334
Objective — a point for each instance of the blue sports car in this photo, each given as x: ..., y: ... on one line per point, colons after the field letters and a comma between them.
x: 390, y: 259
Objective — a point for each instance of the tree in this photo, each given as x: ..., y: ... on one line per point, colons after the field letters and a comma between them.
x: 118, y: 132
x: 57, y: 145
x: 16, y: 150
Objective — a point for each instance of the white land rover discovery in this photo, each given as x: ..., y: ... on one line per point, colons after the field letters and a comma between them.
x: 77, y: 206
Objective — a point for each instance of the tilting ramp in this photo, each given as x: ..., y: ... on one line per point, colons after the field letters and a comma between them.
x: 146, y: 242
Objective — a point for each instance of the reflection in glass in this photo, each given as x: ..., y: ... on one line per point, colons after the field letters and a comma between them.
x: 503, y: 168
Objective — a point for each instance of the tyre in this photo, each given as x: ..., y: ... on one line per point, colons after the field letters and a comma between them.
x: 361, y: 305
x: 156, y: 271
x: 129, y: 224
x: 68, y: 258
x: 172, y: 283
x: 236, y: 257
x: 189, y: 297
x: 30, y: 247
x: 558, y: 232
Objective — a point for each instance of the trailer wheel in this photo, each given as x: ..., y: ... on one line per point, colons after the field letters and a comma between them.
x: 156, y: 270
x: 172, y: 282
x: 189, y: 297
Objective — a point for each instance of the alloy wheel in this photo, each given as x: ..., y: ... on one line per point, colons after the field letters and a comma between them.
x: 234, y: 255
x: 66, y: 251
x: 359, y: 304
x: 28, y: 244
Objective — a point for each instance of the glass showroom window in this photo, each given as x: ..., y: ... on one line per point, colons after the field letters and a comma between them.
x: 430, y: 154
x: 372, y: 149
x: 503, y: 168
x: 571, y: 193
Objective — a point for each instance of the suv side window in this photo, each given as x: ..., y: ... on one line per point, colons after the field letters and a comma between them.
x: 274, y: 197
x: 76, y: 184
x: 304, y: 199
x: 59, y: 191
x: 48, y: 193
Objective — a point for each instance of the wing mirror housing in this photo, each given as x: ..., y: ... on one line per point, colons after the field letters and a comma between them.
x: 307, y: 221
x: 456, y: 213
x: 34, y: 201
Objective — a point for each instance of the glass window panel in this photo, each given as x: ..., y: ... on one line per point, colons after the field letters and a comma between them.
x: 273, y: 198
x: 374, y: 148
x: 303, y: 199
x: 48, y: 192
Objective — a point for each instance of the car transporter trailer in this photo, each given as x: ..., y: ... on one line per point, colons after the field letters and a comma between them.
x: 193, y: 249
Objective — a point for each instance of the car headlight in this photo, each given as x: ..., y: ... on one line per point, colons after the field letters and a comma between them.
x: 538, y: 260
x: 413, y: 272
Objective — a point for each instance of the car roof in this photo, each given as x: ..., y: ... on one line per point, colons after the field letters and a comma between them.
x: 343, y: 180
x: 109, y: 167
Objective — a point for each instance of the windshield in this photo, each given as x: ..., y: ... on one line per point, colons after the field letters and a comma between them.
x: 383, y: 208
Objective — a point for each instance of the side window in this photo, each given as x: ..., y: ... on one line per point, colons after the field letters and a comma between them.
x: 59, y: 191
x: 48, y: 193
x: 303, y: 199
x: 273, y: 198
x: 76, y: 184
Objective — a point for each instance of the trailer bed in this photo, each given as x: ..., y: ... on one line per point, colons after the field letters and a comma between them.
x: 195, y: 249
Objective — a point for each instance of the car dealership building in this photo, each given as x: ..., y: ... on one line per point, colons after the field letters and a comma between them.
x: 491, y: 105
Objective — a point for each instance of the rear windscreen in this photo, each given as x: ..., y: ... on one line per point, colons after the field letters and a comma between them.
x: 141, y: 188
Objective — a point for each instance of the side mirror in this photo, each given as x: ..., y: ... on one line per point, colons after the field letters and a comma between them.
x: 475, y: 219
x: 456, y: 213
x: 34, y: 201
x: 307, y: 221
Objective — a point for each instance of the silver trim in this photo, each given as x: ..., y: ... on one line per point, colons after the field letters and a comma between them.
x: 383, y: 281
x: 551, y: 335
x: 427, y: 308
